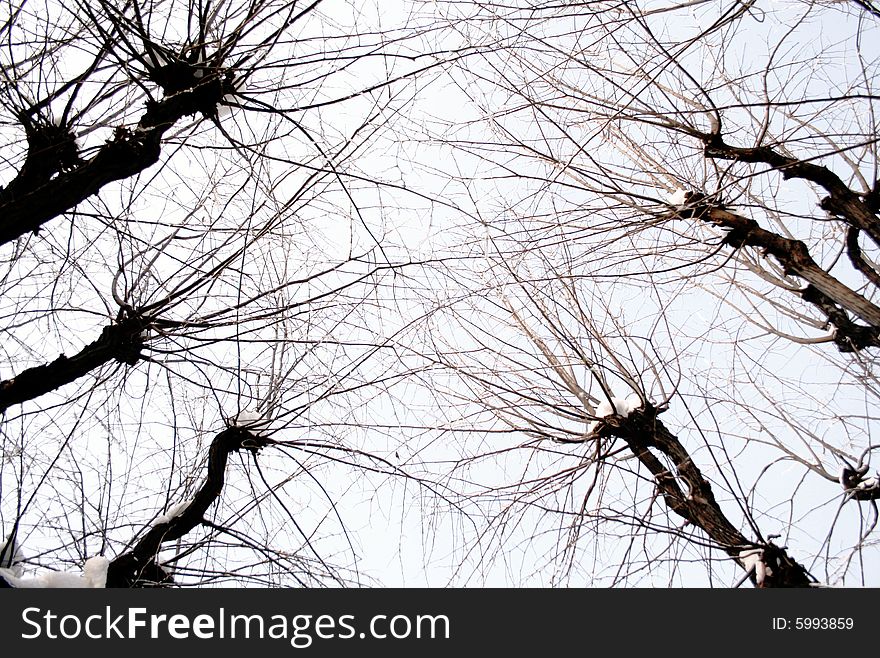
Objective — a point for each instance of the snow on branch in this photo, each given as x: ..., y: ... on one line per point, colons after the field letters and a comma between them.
x: 677, y: 198
x: 138, y: 567
x: 752, y: 560
x: 615, y: 406
x: 251, y: 421
x: 173, y: 512
x: 94, y: 575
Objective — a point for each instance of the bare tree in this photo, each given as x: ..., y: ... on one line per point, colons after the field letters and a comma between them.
x: 192, y: 265
x: 653, y: 356
x: 679, y: 327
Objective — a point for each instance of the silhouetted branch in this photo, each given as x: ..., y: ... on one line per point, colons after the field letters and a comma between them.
x: 841, y: 200
x: 138, y: 567
x: 33, y: 200
x: 118, y: 342
x: 643, y: 430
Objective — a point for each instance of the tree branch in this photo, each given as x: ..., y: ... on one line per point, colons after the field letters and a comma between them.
x: 34, y: 200
x: 869, y: 7
x: 138, y: 567
x: 854, y: 253
x: 120, y: 342
x: 793, y: 255
x: 848, y: 335
x: 841, y: 200
x: 642, y: 430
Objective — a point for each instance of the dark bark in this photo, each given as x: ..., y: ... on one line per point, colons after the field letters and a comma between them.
x: 848, y: 335
x: 841, y: 201
x: 138, y: 567
x: 854, y: 253
x: 643, y: 430
x: 50, y: 149
x: 37, y: 198
x: 795, y: 258
x: 120, y: 342
x: 824, y: 291
x: 872, y: 493
x: 857, y: 486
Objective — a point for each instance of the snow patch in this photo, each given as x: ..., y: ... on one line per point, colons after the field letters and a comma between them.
x: 173, y: 512
x: 677, y: 197
x: 94, y: 576
x: 753, y: 558
x: 95, y: 571
x: 869, y: 483
x: 251, y: 421
x: 619, y: 406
